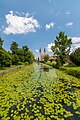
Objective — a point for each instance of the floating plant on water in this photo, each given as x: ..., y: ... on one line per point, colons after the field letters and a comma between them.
x: 30, y: 93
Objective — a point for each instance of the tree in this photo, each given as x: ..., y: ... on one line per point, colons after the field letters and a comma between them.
x: 5, y: 58
x: 15, y: 59
x: 20, y: 54
x: 1, y: 42
x: 14, y: 47
x: 29, y: 57
x: 25, y: 48
x: 46, y: 57
x: 62, y: 47
x: 75, y: 57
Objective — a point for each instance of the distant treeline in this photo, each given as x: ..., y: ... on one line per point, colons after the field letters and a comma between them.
x: 16, y: 55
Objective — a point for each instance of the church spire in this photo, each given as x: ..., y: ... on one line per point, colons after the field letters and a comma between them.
x: 44, y: 51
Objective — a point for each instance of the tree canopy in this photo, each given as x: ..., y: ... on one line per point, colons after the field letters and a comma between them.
x: 14, y: 47
x: 46, y: 57
x: 75, y: 57
x: 1, y: 42
x: 16, y: 56
x: 62, y: 47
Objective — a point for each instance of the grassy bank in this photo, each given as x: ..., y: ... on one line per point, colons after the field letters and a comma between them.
x: 74, y: 71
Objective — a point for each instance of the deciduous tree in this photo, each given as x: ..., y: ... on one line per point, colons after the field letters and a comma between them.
x: 62, y: 47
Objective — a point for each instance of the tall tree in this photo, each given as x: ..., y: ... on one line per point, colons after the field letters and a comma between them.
x: 1, y: 42
x: 25, y: 48
x: 5, y: 58
x: 75, y: 57
x: 62, y: 47
x: 14, y: 47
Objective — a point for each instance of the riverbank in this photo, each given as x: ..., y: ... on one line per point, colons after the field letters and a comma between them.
x: 70, y: 70
x: 74, y: 71
x: 10, y: 69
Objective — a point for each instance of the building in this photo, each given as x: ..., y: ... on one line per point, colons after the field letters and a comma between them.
x: 52, y: 58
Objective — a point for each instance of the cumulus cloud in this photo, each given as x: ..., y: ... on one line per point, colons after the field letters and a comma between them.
x: 49, y: 26
x: 76, y: 45
x: 37, y: 51
x: 49, y: 47
x: 75, y: 39
x: 19, y: 25
x: 69, y: 24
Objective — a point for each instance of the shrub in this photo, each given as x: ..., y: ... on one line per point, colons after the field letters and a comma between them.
x: 20, y: 63
x: 75, y: 57
x: 75, y: 73
x: 5, y: 59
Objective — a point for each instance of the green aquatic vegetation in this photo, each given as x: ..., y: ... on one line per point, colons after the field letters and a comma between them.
x: 30, y: 93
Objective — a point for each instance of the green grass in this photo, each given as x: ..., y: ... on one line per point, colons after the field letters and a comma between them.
x: 71, y: 70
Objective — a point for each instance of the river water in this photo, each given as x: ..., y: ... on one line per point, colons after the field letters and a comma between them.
x: 39, y: 92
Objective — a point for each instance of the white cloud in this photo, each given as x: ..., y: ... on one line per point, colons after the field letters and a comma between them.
x: 69, y: 24
x: 59, y: 27
x: 11, y: 12
x: 76, y: 45
x: 68, y: 13
x: 49, y: 47
x: 75, y: 39
x: 37, y: 51
x: 49, y: 26
x: 20, y: 25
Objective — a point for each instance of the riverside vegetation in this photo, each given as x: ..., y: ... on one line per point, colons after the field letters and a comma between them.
x: 37, y: 92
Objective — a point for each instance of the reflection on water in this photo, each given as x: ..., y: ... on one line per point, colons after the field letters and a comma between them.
x: 44, y: 68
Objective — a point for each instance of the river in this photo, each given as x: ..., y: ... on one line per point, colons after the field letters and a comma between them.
x: 39, y: 92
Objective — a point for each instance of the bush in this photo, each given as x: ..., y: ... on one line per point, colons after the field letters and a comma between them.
x: 58, y: 63
x: 5, y: 59
x: 75, y: 73
x: 48, y: 63
x: 75, y: 57
x: 20, y: 63
x: 26, y: 63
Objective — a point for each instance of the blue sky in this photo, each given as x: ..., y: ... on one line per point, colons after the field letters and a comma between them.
x: 36, y: 23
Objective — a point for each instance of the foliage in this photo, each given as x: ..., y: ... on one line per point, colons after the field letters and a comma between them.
x: 48, y: 63
x: 16, y: 56
x: 1, y: 42
x: 46, y: 57
x: 21, y: 54
x: 5, y: 58
x: 58, y: 63
x: 62, y: 47
x: 74, y: 71
x: 15, y: 59
x: 75, y: 57
x: 30, y: 93
x: 14, y: 47
x: 29, y: 57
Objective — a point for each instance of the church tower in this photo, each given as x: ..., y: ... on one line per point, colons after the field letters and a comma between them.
x: 40, y: 53
x: 44, y: 51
